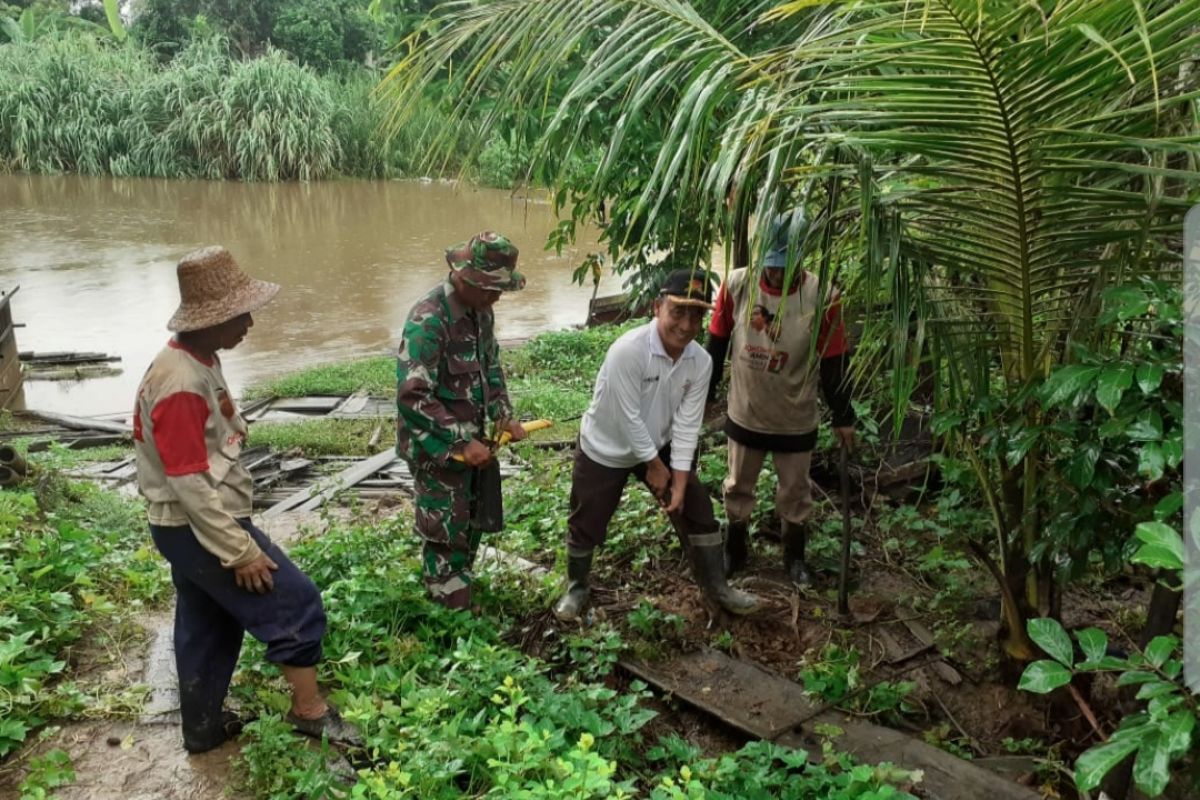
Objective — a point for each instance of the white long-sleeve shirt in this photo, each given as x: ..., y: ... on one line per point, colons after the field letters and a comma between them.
x: 643, y: 399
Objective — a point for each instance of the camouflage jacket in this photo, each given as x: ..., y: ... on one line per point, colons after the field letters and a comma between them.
x: 447, y: 355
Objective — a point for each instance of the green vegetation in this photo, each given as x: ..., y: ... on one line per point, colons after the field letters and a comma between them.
x: 75, y: 104
x: 325, y: 437
x: 1160, y: 734
x: 375, y: 376
x: 75, y: 562
x: 449, y: 709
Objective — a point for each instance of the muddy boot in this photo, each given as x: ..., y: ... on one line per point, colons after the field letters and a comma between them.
x: 579, y: 564
x: 795, y: 537
x: 708, y: 566
x: 737, y: 547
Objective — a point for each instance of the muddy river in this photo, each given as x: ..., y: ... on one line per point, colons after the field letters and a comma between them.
x: 95, y: 262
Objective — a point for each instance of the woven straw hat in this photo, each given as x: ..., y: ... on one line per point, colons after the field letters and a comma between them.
x: 213, y: 289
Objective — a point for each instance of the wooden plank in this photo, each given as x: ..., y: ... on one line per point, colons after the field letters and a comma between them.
x: 54, y: 359
x: 255, y: 409
x: 354, y: 404
x: 740, y: 695
x: 760, y: 703
x: 77, y: 423
x: 307, y: 405
x: 944, y: 671
x: 313, y: 496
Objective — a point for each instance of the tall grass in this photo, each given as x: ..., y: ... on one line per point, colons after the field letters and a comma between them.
x: 75, y: 104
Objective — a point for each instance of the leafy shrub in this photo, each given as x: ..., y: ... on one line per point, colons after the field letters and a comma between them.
x: 80, y: 558
x: 1161, y: 734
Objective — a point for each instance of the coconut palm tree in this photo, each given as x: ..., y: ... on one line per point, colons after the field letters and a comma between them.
x: 988, y: 167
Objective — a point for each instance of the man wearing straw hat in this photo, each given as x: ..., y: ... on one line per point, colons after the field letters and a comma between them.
x: 229, y: 577
x: 450, y: 399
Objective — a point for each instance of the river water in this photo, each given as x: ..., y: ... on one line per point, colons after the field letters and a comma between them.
x: 95, y: 259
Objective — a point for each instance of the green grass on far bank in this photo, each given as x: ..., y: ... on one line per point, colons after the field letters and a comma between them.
x: 549, y: 377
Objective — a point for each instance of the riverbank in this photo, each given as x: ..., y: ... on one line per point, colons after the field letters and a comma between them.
x: 511, y: 701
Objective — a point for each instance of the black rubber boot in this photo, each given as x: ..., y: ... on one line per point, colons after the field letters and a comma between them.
x: 795, y: 537
x: 579, y: 564
x: 737, y: 547
x: 708, y: 565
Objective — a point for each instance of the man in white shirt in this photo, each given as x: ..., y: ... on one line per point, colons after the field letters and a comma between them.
x: 644, y: 420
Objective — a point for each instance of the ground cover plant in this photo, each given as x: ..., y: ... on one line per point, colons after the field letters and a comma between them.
x: 449, y: 709
x: 75, y: 562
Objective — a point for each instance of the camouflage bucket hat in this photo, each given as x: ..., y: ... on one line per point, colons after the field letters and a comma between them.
x: 488, y: 261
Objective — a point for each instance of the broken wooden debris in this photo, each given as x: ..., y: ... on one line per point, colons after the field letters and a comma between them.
x: 767, y: 706
x: 359, y: 405
x: 77, y: 423
x: 58, y: 359
x: 312, y: 496
x: 944, y: 671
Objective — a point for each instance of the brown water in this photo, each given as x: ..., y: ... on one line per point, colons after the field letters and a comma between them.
x: 95, y: 260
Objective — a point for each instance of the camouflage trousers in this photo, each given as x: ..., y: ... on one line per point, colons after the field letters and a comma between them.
x: 449, y: 540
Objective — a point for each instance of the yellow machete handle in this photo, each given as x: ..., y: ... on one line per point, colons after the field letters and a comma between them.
x: 506, y: 437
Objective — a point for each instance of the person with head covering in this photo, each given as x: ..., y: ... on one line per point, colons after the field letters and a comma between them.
x: 450, y: 400
x: 644, y: 420
x: 778, y: 350
x: 229, y: 577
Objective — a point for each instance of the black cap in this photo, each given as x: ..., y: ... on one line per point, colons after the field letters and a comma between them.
x: 688, y: 287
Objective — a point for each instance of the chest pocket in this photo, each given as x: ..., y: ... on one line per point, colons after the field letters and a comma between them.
x: 459, y: 375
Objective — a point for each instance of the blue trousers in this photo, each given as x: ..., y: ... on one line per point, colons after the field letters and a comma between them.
x: 212, y: 614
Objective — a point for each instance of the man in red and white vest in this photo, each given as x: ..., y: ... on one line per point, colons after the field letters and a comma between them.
x: 778, y: 349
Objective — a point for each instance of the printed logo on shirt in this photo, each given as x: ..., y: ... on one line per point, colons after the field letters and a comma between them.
x: 764, y: 321
x: 764, y: 359
x: 651, y: 379
x: 227, y: 409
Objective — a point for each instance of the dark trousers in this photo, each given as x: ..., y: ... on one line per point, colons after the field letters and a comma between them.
x: 596, y: 491
x: 212, y: 613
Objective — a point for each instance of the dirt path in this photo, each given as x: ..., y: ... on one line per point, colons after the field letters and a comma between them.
x: 144, y: 759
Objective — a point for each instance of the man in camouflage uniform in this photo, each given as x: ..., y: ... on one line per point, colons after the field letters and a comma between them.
x: 450, y: 394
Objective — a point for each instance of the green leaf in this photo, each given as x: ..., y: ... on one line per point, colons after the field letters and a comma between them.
x: 1093, y: 642
x: 1168, y: 506
x: 1067, y: 384
x: 1050, y: 636
x: 1042, y: 677
x: 1081, y: 469
x: 1150, y: 771
x: 1160, y: 649
x: 1172, y: 450
x: 1019, y: 445
x: 113, y: 13
x: 1136, y: 677
x: 1177, y: 732
x: 1126, y: 302
x: 1151, y: 460
x: 1149, y: 376
x: 1097, y: 762
x: 1162, y: 546
x: 1111, y: 385
x: 1148, y: 427
x: 1156, y: 688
